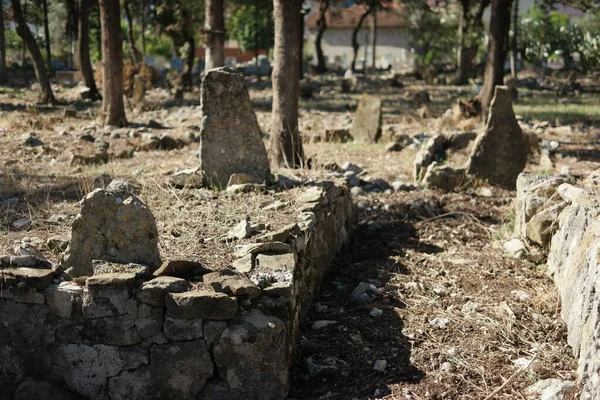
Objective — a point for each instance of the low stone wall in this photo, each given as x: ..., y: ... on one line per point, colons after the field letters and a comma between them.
x: 569, y: 217
x: 127, y: 335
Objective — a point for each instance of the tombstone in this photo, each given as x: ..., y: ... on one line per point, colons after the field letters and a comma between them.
x: 139, y: 87
x: 366, y: 126
x: 113, y: 225
x: 230, y: 140
x: 499, y: 153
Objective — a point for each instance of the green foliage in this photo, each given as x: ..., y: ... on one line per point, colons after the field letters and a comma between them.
x: 434, y: 34
x: 550, y: 35
x: 159, y: 45
x: 251, y: 25
x: 13, y: 41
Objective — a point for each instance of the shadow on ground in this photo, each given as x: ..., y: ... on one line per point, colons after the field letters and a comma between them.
x: 359, y: 339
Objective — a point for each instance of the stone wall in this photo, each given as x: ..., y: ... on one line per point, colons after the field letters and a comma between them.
x: 569, y: 216
x: 127, y: 335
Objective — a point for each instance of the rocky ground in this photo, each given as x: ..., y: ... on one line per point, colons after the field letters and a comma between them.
x: 427, y: 303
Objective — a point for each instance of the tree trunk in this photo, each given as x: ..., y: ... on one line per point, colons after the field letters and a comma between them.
x: 463, y: 60
x: 38, y: 61
x: 72, y: 28
x: 185, y: 80
x: 286, y: 146
x: 301, y: 43
x: 214, y: 29
x: 83, y: 50
x: 355, y: 45
x: 321, y: 27
x: 374, y: 41
x: 135, y: 53
x: 47, y: 34
x: 494, y: 66
x: 513, y: 41
x: 143, y: 21
x: 2, y: 44
x: 112, y: 63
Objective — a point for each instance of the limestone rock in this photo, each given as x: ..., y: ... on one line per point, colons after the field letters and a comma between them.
x: 180, y: 269
x: 230, y: 140
x: 153, y: 292
x: 443, y: 177
x: 64, y: 299
x: 252, y: 354
x: 366, y: 126
x: 542, y: 226
x: 32, y: 277
x: 552, y: 389
x: 515, y: 248
x: 499, y: 154
x: 112, y: 228
x: 429, y: 152
x: 179, y: 329
x: 232, y: 283
x: 201, y: 304
x: 139, y: 87
x: 31, y: 389
x: 163, y: 378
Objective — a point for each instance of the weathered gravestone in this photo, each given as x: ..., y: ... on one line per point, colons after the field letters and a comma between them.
x: 139, y: 87
x: 113, y: 225
x: 230, y: 140
x: 366, y: 126
x: 499, y: 153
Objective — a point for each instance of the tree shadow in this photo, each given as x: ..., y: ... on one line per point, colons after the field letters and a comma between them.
x: 359, y: 339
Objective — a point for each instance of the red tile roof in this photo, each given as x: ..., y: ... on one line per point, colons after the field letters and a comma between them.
x: 349, y: 17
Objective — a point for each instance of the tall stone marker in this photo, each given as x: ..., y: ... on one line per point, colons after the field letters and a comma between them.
x: 366, y: 126
x: 499, y: 153
x: 230, y: 140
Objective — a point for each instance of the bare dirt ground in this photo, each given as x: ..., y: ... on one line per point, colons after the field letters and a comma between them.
x: 459, y: 318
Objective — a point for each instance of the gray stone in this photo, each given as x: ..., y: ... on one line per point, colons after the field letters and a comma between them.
x: 499, y: 154
x: 443, y: 177
x: 245, y: 188
x: 213, y: 330
x: 112, y: 279
x: 119, y: 331
x: 100, y: 301
x: 242, y: 179
x: 100, y: 267
x: 366, y: 126
x: 178, y: 329
x: 542, y: 225
x: 515, y: 248
x: 64, y: 299
x: 153, y: 292
x: 139, y: 88
x: 430, y: 151
x: 201, y: 304
x: 28, y: 260
x: 31, y: 389
x: 112, y: 228
x: 256, y: 248
x: 32, y: 277
x: 241, y: 231
x: 177, y: 371
x: 230, y: 140
x: 180, y: 269
x: 364, y: 294
x: 187, y: 178
x: 277, y: 289
x: 244, y: 264
x: 149, y: 320
x: 282, y: 235
x: 534, y: 192
x: 552, y: 389
x: 252, y: 356
x: 58, y: 244
x: 232, y: 283
x: 459, y: 139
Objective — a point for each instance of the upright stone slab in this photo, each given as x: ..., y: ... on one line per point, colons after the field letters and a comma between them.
x: 366, y: 126
x: 499, y: 153
x: 230, y: 140
x: 139, y: 87
x: 112, y: 226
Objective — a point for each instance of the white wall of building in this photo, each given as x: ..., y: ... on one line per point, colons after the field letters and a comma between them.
x: 393, y: 47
